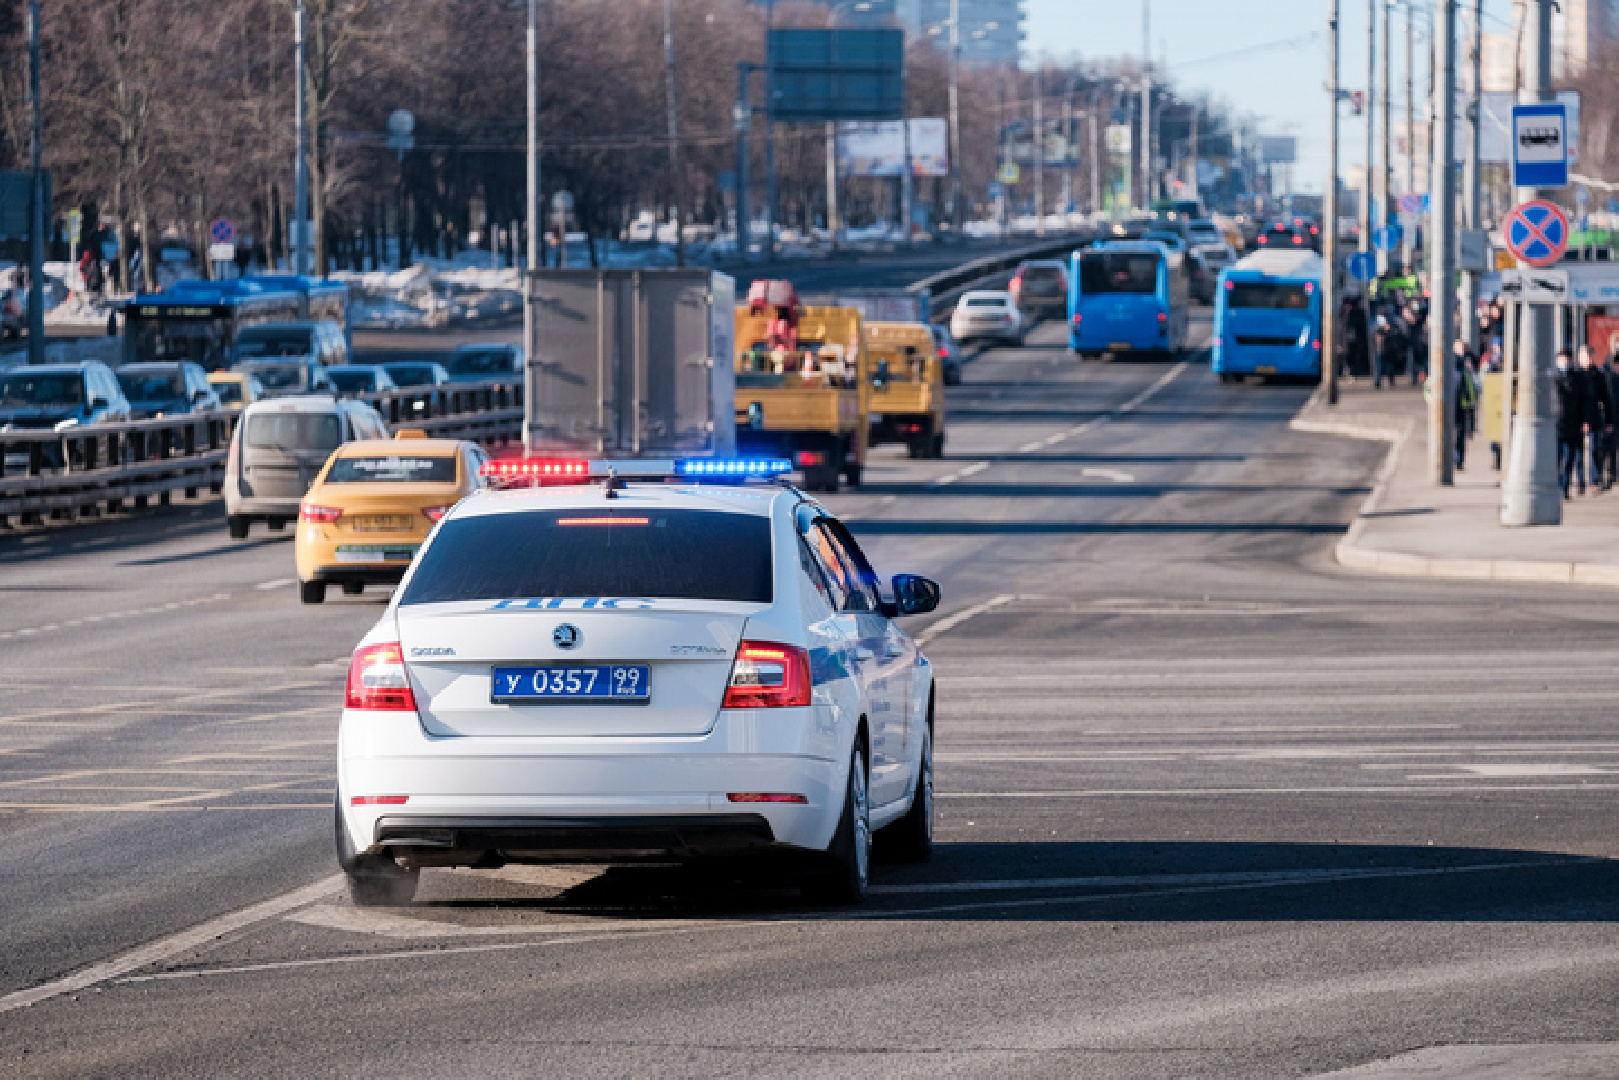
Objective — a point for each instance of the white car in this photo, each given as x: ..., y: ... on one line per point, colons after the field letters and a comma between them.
x: 986, y: 314
x: 623, y: 667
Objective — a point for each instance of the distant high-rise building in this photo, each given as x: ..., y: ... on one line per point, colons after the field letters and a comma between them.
x: 991, y: 30
x: 1579, y: 29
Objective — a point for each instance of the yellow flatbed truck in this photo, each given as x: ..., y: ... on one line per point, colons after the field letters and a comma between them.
x: 904, y: 388
x: 799, y: 376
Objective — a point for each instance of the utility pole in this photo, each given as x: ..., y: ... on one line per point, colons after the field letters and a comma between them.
x: 1441, y: 252
x: 531, y: 196
x: 1039, y: 153
x: 1384, y: 171
x: 675, y: 184
x: 1470, y: 178
x: 1531, y: 495
x: 742, y: 116
x: 1329, y: 242
x: 832, y: 181
x: 1367, y: 219
x: 1096, y: 164
x: 300, y: 198
x: 1408, y: 254
x: 955, y: 120
x: 36, y: 211
x: 1146, y: 106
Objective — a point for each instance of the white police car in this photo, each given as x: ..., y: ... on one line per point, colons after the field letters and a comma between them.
x: 660, y: 663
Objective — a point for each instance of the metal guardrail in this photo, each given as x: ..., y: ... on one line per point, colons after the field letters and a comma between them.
x: 99, y: 468
x: 948, y: 286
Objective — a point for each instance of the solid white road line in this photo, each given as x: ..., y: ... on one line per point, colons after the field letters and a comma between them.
x: 1114, y: 475
x: 173, y: 945
x: 278, y: 583
x: 944, y: 626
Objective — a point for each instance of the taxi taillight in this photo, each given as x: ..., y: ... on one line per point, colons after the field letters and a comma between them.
x: 435, y: 513
x: 318, y: 515
x: 767, y: 675
x: 378, y: 680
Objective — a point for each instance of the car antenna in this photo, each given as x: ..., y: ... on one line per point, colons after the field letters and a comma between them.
x: 615, y: 484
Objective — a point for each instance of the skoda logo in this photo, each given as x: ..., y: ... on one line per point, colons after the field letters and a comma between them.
x: 566, y: 636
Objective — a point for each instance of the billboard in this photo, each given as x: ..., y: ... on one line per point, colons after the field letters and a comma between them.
x: 878, y: 149
x: 820, y: 75
x: 1278, y: 149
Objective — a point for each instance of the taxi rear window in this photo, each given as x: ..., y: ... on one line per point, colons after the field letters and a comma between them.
x: 392, y: 470
x: 650, y: 554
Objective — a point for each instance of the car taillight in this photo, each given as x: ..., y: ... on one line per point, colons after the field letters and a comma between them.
x: 1264, y: 239
x: 233, y: 458
x: 1017, y: 283
x: 379, y: 800
x: 765, y: 796
x: 810, y: 459
x: 378, y: 680
x: 768, y: 675
x: 434, y: 513
x: 1162, y: 317
x: 1078, y: 319
x: 318, y: 515
x: 944, y: 351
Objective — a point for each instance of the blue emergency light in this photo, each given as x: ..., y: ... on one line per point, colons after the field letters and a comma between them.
x: 733, y: 467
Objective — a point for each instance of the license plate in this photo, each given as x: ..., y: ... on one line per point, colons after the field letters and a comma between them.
x: 382, y: 523
x: 1264, y: 369
x: 584, y: 682
x: 1120, y: 346
x: 375, y: 553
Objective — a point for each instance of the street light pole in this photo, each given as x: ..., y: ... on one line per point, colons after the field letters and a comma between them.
x: 1470, y: 176
x: 1367, y: 190
x: 1441, y: 253
x: 1146, y: 105
x: 955, y: 120
x: 1329, y: 244
x: 1039, y: 153
x: 1531, y: 494
x: 675, y: 179
x: 531, y: 195
x: 37, y: 216
x: 1384, y: 172
x: 300, y: 198
x: 1408, y: 255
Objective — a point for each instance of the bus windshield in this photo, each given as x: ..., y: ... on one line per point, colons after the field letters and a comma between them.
x: 1269, y: 296
x: 1118, y: 272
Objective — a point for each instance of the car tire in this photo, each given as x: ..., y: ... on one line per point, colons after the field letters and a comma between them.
x: 846, y: 878
x: 373, y: 880
x: 910, y: 839
x: 851, y: 474
x: 936, y: 446
x: 237, y: 525
x: 917, y: 447
x: 353, y: 588
x: 277, y: 524
x: 312, y: 592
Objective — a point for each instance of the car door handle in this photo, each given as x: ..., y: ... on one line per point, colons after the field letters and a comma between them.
x: 862, y: 653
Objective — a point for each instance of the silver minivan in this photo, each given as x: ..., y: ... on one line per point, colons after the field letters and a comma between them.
x: 278, y: 450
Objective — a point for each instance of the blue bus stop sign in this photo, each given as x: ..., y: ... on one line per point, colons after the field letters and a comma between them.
x: 1363, y: 266
x: 1386, y: 238
x: 1540, y: 145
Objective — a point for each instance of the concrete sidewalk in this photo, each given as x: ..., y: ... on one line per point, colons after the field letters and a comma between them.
x: 1412, y: 527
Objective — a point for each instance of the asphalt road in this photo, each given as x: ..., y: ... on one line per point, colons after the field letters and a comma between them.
x: 1208, y: 804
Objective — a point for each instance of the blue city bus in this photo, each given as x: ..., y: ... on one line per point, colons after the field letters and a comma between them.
x: 1127, y: 296
x: 199, y: 320
x: 1267, y: 316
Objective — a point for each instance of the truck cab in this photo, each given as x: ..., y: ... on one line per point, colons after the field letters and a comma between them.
x: 904, y: 388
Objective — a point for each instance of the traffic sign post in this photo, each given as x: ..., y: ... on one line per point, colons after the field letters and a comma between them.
x: 1540, y: 145
x: 1537, y: 232
x: 1363, y: 266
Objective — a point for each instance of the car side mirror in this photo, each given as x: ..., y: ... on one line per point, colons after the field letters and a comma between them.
x: 915, y: 595
x: 98, y: 403
x: 199, y: 396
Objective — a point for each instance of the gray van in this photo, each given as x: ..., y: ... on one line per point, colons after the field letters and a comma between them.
x: 278, y: 450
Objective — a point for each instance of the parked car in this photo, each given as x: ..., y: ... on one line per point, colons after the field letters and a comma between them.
x: 283, y: 378
x: 236, y: 389
x: 407, y: 373
x: 1040, y: 287
x: 477, y: 363
x: 278, y: 449
x: 165, y: 388
x: 986, y: 314
x: 360, y: 379
x: 949, y: 353
x: 322, y: 342
x: 60, y: 396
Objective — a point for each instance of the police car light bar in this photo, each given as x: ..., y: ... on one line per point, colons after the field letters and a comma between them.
x: 537, y: 469
x: 578, y: 470
x: 733, y: 467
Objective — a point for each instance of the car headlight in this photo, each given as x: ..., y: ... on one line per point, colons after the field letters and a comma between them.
x: 63, y: 425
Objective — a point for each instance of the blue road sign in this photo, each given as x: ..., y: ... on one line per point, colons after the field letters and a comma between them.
x: 222, y: 231
x: 1537, y: 233
x: 995, y: 189
x: 1540, y: 145
x: 1363, y: 266
x: 1386, y: 238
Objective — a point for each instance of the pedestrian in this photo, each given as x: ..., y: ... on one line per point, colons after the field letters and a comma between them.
x: 1416, y: 322
x: 1388, y: 340
x: 1597, y: 415
x: 1466, y: 400
x: 1570, y: 427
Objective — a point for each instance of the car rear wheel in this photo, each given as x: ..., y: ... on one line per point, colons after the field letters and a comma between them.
x: 353, y: 588
x: 373, y: 880
x: 847, y: 874
x: 237, y: 526
x: 911, y: 836
x: 312, y: 592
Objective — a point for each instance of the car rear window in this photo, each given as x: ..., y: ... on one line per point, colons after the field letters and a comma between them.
x: 291, y: 342
x: 152, y: 385
x: 295, y: 431
x: 410, y: 375
x: 986, y: 301
x: 352, y: 380
x: 479, y: 362
x: 42, y: 389
x: 384, y: 469
x: 1254, y: 294
x: 279, y: 376
x: 1118, y: 272
x: 654, y: 554
x: 230, y: 393
x: 1042, y: 273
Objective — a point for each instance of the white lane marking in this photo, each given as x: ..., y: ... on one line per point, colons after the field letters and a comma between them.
x: 158, y: 609
x: 961, y: 474
x: 1128, y: 407
x: 1257, y: 877
x: 1197, y: 793
x: 1523, y: 770
x: 384, y: 924
x: 163, y: 948
x: 944, y: 626
x: 1114, y: 475
x: 278, y: 583
x: 1029, y: 448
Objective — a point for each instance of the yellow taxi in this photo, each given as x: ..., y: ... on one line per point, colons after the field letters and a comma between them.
x: 372, y: 505
x: 236, y: 389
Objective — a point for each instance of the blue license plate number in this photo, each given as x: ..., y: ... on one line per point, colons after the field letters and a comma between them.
x: 577, y: 683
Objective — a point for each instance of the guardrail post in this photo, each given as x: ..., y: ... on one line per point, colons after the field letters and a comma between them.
x: 139, y: 441
x: 191, y: 451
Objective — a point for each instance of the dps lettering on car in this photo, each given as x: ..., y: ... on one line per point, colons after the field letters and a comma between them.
x: 622, y: 603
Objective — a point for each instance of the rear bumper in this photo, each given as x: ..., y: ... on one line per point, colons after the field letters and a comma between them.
x: 1262, y: 360
x: 368, y: 573
x: 430, y: 840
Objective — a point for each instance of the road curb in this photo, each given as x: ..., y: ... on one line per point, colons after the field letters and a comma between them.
x: 1354, y: 554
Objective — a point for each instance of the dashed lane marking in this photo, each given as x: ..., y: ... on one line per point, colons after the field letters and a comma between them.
x: 1114, y: 475
x: 383, y: 924
x: 156, y: 609
x: 278, y: 583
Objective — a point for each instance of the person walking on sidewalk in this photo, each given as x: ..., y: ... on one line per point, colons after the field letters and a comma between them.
x: 1388, y: 340
x: 1466, y: 400
x: 1570, y: 426
x: 1598, y: 416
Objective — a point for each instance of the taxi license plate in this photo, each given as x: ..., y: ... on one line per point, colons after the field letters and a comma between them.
x: 375, y: 553
x: 382, y: 523
x: 582, y: 683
